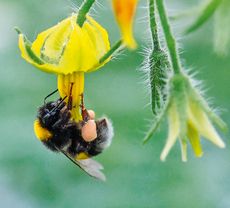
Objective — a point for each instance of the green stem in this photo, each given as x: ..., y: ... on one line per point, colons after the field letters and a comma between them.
x: 153, y: 25
x: 84, y: 9
x: 170, y: 40
x: 111, y: 51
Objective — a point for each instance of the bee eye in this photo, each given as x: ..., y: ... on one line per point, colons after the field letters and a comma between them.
x: 46, y: 118
x: 53, y: 105
x: 46, y: 111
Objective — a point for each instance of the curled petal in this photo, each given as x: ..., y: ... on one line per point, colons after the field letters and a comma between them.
x: 124, y: 11
x: 201, y: 122
x: 50, y: 44
x: 174, y: 130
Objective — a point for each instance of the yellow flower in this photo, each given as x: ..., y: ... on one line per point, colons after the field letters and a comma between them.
x: 69, y: 51
x: 124, y: 11
x: 189, y: 118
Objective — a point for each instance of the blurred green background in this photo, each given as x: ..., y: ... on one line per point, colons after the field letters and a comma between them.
x: 31, y: 176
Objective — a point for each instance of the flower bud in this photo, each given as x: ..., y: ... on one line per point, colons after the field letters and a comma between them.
x: 124, y: 11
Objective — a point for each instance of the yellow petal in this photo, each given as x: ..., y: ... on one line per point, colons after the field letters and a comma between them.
x: 72, y: 86
x: 79, y: 55
x: 67, y: 48
x: 194, y: 139
x: 174, y: 130
x: 198, y: 118
x: 85, y: 47
x: 100, y: 40
x: 51, y: 43
x: 124, y: 11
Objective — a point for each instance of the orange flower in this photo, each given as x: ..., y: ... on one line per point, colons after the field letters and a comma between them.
x: 125, y: 11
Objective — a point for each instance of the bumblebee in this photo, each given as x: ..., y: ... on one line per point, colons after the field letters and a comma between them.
x: 59, y: 133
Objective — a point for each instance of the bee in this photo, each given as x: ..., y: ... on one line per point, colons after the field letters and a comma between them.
x: 59, y: 133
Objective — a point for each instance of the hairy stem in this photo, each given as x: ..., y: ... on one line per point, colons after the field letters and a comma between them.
x: 170, y: 40
x: 84, y: 9
x: 153, y: 25
x: 111, y: 51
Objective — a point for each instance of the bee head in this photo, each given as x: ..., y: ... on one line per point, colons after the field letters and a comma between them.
x: 48, y: 114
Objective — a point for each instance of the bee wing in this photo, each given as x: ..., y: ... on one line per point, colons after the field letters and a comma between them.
x: 90, y: 166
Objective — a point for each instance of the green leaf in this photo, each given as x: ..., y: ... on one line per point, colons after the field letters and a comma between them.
x: 206, y: 12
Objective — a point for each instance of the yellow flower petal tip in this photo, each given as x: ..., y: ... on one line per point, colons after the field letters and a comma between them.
x: 67, y: 48
x: 124, y: 11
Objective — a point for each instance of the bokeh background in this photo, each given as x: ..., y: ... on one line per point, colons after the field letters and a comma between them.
x: 31, y: 176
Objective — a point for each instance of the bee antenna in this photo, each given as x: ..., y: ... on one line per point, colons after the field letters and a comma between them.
x: 49, y: 95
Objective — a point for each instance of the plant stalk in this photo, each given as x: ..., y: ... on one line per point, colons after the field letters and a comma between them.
x: 170, y: 40
x: 84, y: 9
x: 153, y: 25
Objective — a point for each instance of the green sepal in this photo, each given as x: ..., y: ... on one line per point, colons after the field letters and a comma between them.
x: 32, y: 55
x: 206, y: 12
x: 157, y: 121
x: 28, y: 46
x: 112, y: 50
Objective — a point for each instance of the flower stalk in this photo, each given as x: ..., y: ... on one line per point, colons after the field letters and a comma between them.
x: 153, y: 25
x: 170, y: 40
x: 84, y: 9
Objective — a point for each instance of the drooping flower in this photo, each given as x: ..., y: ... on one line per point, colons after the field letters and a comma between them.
x: 69, y: 51
x: 189, y: 118
x: 124, y: 12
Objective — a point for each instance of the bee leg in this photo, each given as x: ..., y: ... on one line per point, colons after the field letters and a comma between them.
x: 84, y: 112
x: 70, y: 98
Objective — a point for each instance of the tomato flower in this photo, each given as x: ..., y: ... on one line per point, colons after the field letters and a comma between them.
x: 69, y: 51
